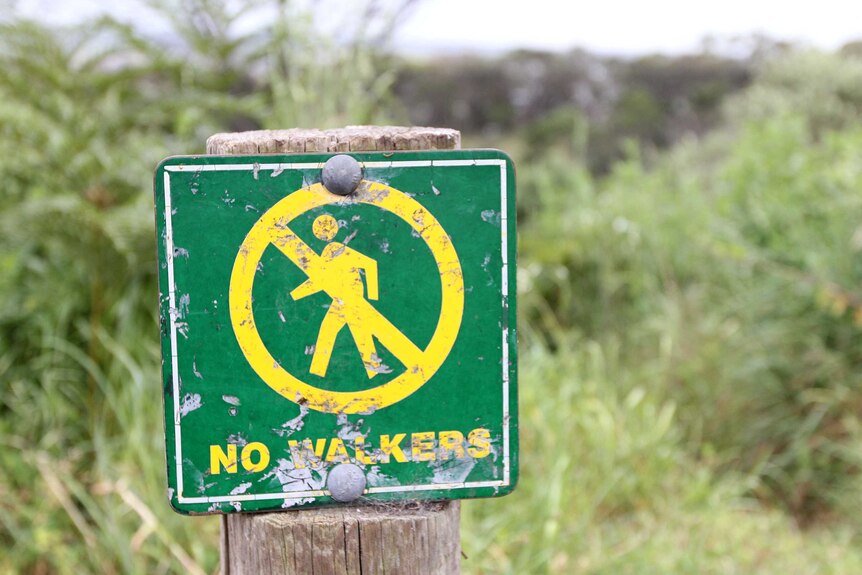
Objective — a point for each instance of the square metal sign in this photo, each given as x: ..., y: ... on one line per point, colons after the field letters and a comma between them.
x: 322, y: 347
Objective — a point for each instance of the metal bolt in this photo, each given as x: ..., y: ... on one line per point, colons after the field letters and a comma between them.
x: 345, y: 482
x: 341, y: 174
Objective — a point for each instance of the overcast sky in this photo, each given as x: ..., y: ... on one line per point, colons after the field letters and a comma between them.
x: 606, y: 26
x: 624, y: 27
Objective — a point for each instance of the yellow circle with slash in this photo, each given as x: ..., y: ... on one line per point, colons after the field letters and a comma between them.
x: 273, y: 228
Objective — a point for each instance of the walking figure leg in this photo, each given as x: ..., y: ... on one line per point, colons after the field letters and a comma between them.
x: 329, y: 328
x: 365, y: 345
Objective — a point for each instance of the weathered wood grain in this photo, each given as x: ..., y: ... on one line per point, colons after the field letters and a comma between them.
x: 420, y: 539
x: 409, y: 539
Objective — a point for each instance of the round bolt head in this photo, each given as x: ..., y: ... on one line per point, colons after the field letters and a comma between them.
x: 346, y: 482
x: 341, y: 175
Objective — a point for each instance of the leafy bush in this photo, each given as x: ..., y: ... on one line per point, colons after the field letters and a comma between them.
x: 729, y: 276
x: 824, y: 89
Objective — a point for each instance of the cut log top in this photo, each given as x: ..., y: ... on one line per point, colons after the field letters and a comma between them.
x: 349, y: 139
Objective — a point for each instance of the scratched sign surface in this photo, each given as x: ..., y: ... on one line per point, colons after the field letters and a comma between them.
x: 303, y: 330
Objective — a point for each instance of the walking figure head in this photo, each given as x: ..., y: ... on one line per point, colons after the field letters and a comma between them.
x: 325, y: 227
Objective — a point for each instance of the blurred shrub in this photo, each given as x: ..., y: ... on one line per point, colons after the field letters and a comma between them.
x: 564, y: 129
x: 729, y: 276
x: 824, y: 89
x: 655, y: 100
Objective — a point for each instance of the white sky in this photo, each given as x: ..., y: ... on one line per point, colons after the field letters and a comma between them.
x: 623, y: 27
x: 605, y: 26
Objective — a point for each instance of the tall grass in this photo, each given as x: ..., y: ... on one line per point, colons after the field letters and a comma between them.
x: 609, y: 486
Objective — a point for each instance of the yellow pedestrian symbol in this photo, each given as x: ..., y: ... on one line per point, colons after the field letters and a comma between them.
x: 338, y: 271
x: 340, y: 268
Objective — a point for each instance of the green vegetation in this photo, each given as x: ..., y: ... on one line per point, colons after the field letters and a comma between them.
x: 655, y: 100
x: 692, y: 333
x: 691, y: 320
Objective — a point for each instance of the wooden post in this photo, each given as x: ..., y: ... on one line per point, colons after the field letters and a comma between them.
x: 413, y: 538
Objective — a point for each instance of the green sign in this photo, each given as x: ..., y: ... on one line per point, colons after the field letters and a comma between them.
x: 311, y: 339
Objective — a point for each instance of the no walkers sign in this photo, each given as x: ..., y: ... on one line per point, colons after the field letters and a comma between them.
x: 336, y: 328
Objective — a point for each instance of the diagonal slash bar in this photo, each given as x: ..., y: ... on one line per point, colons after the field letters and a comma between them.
x: 305, y: 258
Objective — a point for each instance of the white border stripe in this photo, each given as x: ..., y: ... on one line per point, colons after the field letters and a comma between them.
x: 403, y: 164
x: 432, y: 486
x: 318, y: 165
x: 172, y: 310
x: 504, y: 289
x: 321, y: 492
x: 278, y: 168
x: 241, y: 167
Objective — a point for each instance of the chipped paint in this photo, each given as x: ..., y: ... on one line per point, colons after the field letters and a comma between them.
x: 453, y: 470
x: 297, y: 502
x: 349, y: 431
x: 241, y: 488
x: 191, y: 402
x: 230, y: 399
x: 291, y: 426
x: 376, y: 478
x: 349, y: 238
x: 185, y: 300
x: 236, y: 439
x: 293, y: 479
x: 182, y: 328
x: 195, y: 371
x: 491, y: 217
